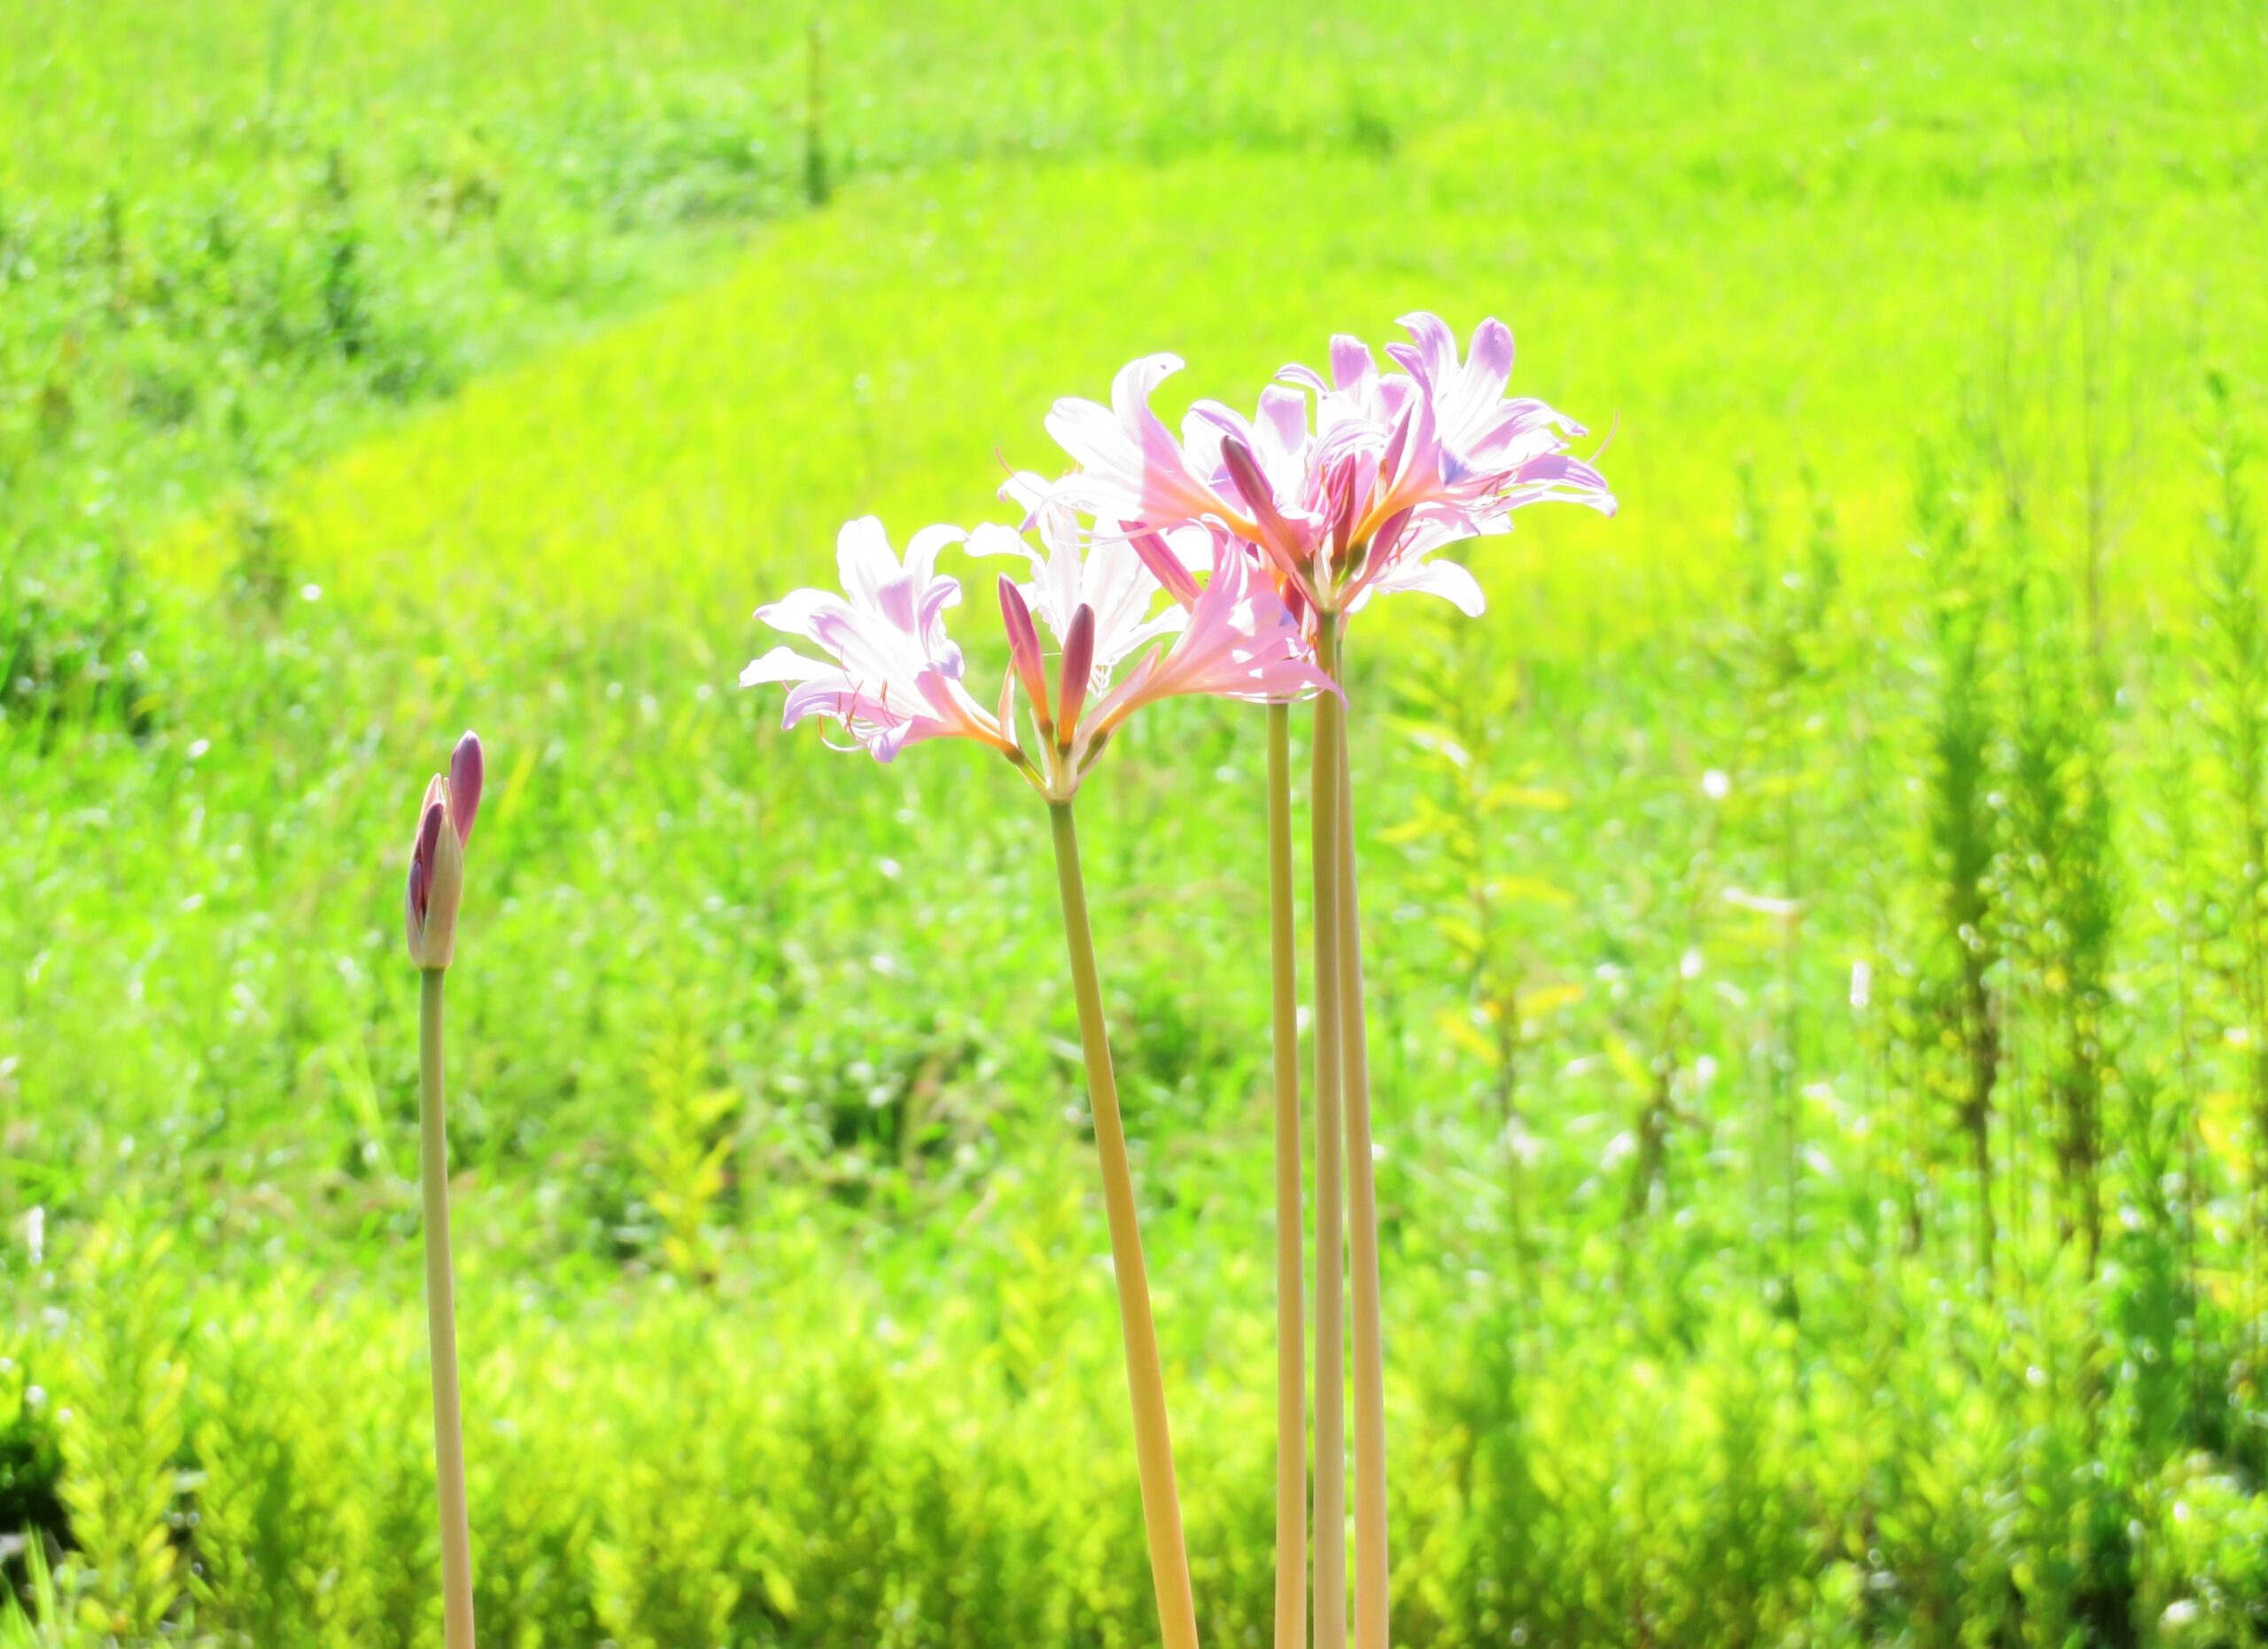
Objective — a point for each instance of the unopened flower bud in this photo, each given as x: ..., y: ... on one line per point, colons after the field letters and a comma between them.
x: 1166, y: 567
x: 1283, y: 542
x: 1023, y: 648
x: 1251, y: 485
x: 437, y: 857
x: 466, y: 770
x: 1078, y: 671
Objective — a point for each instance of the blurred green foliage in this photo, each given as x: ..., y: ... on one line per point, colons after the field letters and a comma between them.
x: 1843, y: 867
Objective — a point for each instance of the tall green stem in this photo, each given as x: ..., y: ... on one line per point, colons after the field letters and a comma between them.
x: 1330, y: 1172
x: 1145, y: 1376
x: 441, y: 1318
x: 1371, y: 1594
x: 1291, y: 1332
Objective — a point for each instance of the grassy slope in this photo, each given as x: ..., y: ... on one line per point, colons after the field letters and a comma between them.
x: 482, y: 174
x: 1733, y: 304
x: 566, y: 554
x: 1822, y: 273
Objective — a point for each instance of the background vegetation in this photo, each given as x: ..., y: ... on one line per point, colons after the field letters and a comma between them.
x: 1822, y: 990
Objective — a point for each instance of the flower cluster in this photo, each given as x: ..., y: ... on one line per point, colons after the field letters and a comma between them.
x: 1196, y: 565
x: 892, y: 677
x: 1356, y: 499
x: 1221, y: 562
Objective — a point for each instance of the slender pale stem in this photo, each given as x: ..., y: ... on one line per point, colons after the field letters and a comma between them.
x: 441, y: 1318
x: 1371, y: 1593
x: 1330, y: 1173
x: 1145, y: 1376
x: 1290, y: 1329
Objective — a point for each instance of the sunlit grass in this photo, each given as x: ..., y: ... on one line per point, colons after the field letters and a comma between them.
x: 890, y: 356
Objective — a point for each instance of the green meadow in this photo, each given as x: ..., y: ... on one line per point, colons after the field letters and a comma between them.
x: 1819, y: 918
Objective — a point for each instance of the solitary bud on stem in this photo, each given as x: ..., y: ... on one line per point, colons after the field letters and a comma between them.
x: 437, y: 857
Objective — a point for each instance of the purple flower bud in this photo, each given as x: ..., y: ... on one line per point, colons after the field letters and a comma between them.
x: 1253, y: 486
x: 1343, y: 503
x: 1277, y: 537
x: 417, y: 896
x: 464, y: 786
x: 1078, y: 669
x: 429, y: 842
x: 437, y: 859
x: 1023, y: 646
x: 1166, y: 567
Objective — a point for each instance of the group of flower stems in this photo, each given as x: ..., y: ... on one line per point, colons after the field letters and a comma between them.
x: 1226, y: 562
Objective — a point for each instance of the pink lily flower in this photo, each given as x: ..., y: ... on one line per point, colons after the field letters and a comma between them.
x: 893, y: 677
x: 1396, y: 465
x: 1132, y: 467
x: 1509, y: 451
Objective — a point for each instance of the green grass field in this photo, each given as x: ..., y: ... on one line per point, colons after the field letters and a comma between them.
x: 366, y: 373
